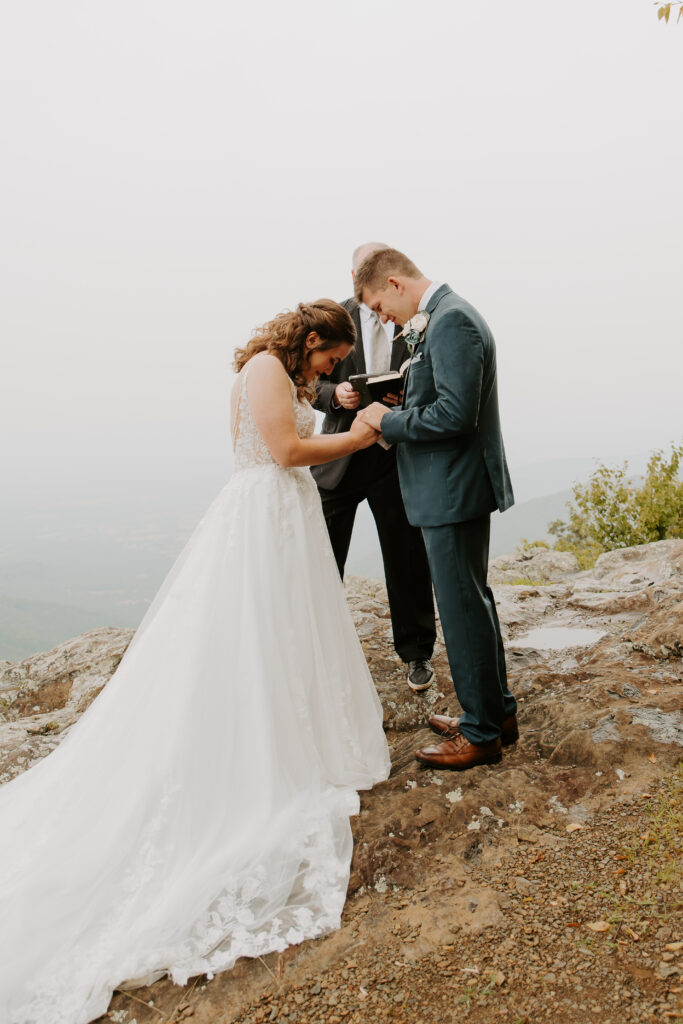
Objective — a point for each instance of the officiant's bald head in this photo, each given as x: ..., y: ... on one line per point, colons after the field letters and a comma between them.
x: 363, y: 251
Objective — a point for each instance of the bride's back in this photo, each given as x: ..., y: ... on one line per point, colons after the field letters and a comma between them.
x: 248, y: 445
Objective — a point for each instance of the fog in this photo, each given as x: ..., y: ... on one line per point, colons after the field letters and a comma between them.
x: 175, y: 174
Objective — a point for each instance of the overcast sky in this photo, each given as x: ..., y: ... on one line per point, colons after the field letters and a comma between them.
x: 175, y: 173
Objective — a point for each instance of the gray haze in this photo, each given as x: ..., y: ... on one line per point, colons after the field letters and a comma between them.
x: 175, y: 173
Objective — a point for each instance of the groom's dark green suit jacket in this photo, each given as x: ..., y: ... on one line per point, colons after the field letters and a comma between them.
x: 451, y: 459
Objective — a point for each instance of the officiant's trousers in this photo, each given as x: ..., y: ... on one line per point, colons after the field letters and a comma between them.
x: 458, y: 558
x: 406, y: 570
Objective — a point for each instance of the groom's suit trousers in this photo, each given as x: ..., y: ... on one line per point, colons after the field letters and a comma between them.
x: 372, y: 476
x: 458, y: 557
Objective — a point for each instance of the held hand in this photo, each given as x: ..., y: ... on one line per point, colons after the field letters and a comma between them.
x: 345, y: 396
x: 392, y: 399
x: 373, y: 415
x: 362, y: 433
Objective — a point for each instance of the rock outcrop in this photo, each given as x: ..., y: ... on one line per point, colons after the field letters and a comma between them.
x: 596, y: 661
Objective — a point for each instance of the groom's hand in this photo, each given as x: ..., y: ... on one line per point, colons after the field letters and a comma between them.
x: 373, y: 415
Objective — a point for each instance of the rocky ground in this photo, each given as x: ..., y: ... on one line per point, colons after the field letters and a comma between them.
x: 548, y: 888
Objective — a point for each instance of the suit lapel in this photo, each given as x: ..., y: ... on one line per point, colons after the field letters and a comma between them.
x: 436, y: 298
x: 358, y: 350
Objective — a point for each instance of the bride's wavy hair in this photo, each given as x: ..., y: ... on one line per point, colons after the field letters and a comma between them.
x: 285, y: 337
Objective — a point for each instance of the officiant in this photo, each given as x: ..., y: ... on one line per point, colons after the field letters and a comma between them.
x: 371, y: 475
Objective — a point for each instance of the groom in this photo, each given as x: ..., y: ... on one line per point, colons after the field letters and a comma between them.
x: 370, y: 475
x: 453, y: 474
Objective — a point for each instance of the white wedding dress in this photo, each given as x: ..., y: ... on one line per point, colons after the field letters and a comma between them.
x: 199, y: 810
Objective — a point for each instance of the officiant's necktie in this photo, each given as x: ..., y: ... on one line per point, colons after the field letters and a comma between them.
x: 380, y: 350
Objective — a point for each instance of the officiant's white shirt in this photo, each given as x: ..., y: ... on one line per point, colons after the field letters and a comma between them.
x: 367, y: 319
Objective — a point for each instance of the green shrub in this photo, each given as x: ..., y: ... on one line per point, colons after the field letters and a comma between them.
x: 610, y: 511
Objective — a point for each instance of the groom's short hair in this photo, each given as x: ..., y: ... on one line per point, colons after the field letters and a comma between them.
x: 378, y: 267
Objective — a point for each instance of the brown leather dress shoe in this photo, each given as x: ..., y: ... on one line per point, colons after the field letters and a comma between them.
x: 458, y: 753
x: 445, y: 726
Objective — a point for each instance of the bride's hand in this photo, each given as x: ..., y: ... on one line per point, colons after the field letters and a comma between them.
x: 363, y: 434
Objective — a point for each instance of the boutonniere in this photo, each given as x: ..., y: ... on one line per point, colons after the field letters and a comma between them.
x: 414, y: 329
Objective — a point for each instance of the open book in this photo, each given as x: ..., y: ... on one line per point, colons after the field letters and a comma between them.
x: 374, y: 387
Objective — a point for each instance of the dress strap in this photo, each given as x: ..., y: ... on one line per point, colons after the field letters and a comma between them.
x: 237, y: 411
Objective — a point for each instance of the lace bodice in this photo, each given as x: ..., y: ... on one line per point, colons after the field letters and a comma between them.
x: 250, y: 448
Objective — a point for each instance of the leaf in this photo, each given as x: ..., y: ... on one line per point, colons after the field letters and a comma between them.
x: 574, y: 827
x: 652, y: 759
x: 598, y: 926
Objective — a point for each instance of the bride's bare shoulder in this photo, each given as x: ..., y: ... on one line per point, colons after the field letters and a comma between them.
x: 267, y: 382
x: 265, y: 366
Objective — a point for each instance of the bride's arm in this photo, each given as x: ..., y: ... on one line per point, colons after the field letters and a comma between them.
x: 270, y: 399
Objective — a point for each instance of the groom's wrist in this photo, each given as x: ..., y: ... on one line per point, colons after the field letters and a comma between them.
x: 390, y: 424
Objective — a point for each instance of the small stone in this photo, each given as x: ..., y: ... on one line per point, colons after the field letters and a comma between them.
x: 316, y: 989
x: 472, y: 905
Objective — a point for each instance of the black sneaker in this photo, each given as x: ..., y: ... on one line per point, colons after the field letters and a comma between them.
x: 420, y: 674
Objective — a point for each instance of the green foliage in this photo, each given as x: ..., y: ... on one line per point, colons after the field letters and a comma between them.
x: 527, y: 546
x: 610, y: 512
x: 664, y: 10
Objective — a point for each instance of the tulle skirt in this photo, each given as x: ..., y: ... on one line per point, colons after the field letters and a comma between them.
x: 199, y: 810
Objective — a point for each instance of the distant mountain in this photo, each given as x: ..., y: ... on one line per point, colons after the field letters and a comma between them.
x: 528, y: 519
x: 27, y: 627
x: 99, y: 559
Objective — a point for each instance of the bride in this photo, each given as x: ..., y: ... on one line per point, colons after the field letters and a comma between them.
x: 199, y: 810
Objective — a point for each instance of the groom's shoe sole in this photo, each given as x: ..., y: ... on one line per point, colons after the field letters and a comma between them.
x: 444, y: 726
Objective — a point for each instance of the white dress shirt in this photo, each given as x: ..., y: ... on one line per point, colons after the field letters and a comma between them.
x: 367, y: 317
x: 434, y: 286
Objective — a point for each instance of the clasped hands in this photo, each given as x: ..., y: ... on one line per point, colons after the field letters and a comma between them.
x: 373, y: 414
x: 366, y: 426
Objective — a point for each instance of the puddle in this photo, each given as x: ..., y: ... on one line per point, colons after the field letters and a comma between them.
x: 559, y: 638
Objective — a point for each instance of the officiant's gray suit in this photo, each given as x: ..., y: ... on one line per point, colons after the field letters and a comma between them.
x: 453, y: 474
x: 371, y: 475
